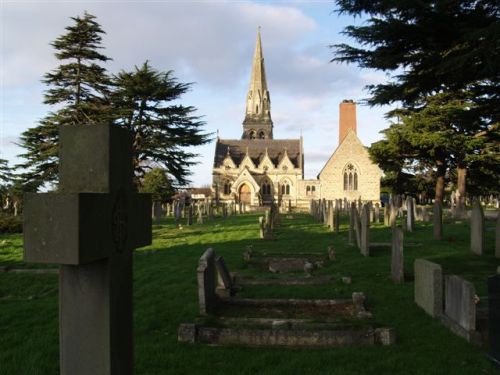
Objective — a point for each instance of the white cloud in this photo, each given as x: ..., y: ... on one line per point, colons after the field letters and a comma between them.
x: 208, y: 42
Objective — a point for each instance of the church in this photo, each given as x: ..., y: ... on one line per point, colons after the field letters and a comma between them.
x: 258, y: 169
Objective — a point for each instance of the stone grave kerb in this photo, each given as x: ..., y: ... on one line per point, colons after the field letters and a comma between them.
x: 90, y: 228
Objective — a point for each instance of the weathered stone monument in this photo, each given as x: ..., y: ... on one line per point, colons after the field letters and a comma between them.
x: 460, y: 307
x: 397, y: 263
x: 365, y: 231
x: 410, y: 214
x: 207, y: 298
x: 90, y: 227
x: 377, y: 213
x: 494, y: 318
x: 438, y: 221
x: 429, y: 287
x: 477, y: 229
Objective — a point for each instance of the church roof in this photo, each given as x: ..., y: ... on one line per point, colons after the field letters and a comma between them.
x: 257, y: 150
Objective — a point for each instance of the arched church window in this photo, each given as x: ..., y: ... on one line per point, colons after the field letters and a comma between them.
x: 252, y: 134
x: 262, y: 135
x: 350, y: 175
x: 285, y: 189
x: 313, y: 190
x: 256, y: 108
x: 308, y: 190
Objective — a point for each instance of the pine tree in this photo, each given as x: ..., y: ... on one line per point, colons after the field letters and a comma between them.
x: 428, y: 48
x: 146, y: 103
x: 79, y: 88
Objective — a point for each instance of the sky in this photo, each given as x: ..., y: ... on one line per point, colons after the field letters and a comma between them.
x: 211, y: 44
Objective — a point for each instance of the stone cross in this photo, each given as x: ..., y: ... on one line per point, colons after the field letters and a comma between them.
x: 438, y: 220
x: 397, y: 263
x: 477, y: 229
x: 90, y: 227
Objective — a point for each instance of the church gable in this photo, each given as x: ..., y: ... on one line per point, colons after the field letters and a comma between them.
x: 350, y: 173
x: 285, y: 162
x: 266, y: 163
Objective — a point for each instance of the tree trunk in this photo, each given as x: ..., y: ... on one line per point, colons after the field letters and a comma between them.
x: 441, y: 172
x: 461, y: 187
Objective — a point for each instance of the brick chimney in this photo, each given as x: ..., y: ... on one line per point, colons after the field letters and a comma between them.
x: 347, y: 118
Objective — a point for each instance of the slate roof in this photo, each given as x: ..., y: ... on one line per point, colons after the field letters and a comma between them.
x: 257, y: 150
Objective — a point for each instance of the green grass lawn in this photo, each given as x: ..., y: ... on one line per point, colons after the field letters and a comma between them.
x: 165, y: 294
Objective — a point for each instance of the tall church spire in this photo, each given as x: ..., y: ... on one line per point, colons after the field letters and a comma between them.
x: 258, y: 123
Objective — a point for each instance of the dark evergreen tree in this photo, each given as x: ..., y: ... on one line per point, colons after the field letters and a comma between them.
x: 79, y: 88
x: 429, y: 48
x: 146, y: 103
x: 158, y: 185
x: 5, y: 174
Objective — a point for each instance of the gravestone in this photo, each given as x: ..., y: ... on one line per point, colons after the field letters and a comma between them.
x: 365, y: 231
x: 200, y: 215
x: 494, y: 318
x: 336, y: 219
x: 90, y: 227
x: 157, y: 210
x: 497, y: 236
x: 190, y: 215
x: 397, y: 263
x: 352, y: 219
x: 459, y: 302
x: 410, y: 214
x: 377, y: 213
x: 262, y: 230
x: 226, y: 287
x: 393, y: 215
x: 387, y: 214
x: 437, y: 220
x: 477, y: 229
x: 331, y: 219
x: 207, y: 299
x: 429, y: 287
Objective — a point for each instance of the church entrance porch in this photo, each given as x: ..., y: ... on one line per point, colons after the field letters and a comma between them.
x: 245, y: 194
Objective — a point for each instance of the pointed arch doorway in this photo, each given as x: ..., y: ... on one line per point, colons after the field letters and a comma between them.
x: 245, y: 194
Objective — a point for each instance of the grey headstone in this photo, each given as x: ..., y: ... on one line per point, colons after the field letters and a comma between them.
x: 494, y: 318
x: 365, y: 231
x: 352, y: 223
x: 91, y: 228
x: 477, y: 229
x: 377, y: 213
x: 459, y: 302
x: 410, y: 214
x: 223, y: 272
x: 397, y: 263
x: 438, y: 221
x: 387, y: 214
x: 190, y: 215
x: 207, y: 299
x: 429, y: 287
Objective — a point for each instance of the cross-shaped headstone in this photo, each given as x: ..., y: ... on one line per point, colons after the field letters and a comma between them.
x: 90, y: 227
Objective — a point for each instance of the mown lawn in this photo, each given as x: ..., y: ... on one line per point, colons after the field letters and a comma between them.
x: 165, y: 294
